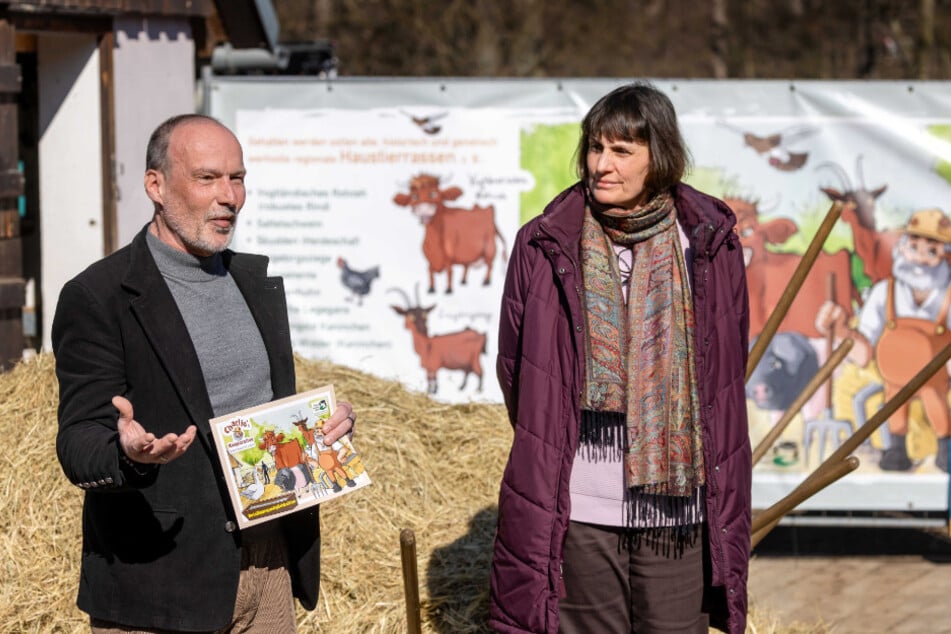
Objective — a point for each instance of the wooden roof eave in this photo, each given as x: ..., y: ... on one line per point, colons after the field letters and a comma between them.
x: 106, y: 8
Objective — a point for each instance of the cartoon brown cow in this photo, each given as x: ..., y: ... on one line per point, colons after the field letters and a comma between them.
x: 768, y: 273
x: 453, y: 235
x: 292, y: 471
x: 286, y: 454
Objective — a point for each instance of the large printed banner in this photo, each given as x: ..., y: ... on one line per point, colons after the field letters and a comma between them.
x: 389, y: 208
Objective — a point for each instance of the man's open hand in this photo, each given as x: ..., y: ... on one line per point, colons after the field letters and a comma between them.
x: 142, y: 446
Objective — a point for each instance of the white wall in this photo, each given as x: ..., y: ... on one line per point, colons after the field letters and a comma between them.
x: 154, y: 62
x: 154, y: 68
x: 70, y: 157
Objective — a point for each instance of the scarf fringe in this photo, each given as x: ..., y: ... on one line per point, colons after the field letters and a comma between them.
x: 602, y: 438
x: 602, y: 435
x: 666, y: 541
x: 662, y: 511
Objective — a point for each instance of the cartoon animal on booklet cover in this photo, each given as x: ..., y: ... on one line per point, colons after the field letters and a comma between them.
x: 872, y: 246
x: 306, y: 433
x: 768, y: 273
x: 454, y: 351
x: 357, y: 282
x: 292, y: 472
x: 453, y: 235
x: 787, y: 366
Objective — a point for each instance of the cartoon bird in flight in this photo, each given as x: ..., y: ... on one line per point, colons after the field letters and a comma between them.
x: 775, y: 147
x: 427, y: 124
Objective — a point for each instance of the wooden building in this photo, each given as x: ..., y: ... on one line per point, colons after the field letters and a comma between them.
x: 82, y: 85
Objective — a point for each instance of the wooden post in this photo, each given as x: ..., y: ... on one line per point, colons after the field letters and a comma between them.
x: 410, y: 581
x: 786, y: 299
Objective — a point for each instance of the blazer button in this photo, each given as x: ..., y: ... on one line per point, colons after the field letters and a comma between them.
x: 561, y: 271
x: 230, y: 526
x: 578, y: 328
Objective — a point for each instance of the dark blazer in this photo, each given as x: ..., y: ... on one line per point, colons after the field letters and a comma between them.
x: 160, y: 550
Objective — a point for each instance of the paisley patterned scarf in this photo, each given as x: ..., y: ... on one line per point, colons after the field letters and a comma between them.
x: 640, y: 357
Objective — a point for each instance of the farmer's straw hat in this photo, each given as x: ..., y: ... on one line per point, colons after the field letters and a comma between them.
x: 930, y: 223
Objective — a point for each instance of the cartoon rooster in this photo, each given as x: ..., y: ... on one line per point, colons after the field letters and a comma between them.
x: 357, y: 282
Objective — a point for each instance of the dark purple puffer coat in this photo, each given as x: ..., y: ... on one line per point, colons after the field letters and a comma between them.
x: 540, y: 368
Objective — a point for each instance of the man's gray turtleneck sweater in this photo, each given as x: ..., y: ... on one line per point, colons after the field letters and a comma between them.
x: 230, y: 350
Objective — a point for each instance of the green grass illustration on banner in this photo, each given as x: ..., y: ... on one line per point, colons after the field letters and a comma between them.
x: 943, y: 132
x: 548, y: 154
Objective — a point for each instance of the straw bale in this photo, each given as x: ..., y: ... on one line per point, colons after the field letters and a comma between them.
x: 435, y: 469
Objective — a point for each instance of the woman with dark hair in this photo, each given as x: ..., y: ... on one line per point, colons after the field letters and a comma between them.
x: 625, y: 503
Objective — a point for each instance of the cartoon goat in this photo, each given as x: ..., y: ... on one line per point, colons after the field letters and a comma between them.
x: 455, y: 351
x: 872, y: 246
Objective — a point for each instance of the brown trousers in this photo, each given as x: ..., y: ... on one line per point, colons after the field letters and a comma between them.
x: 265, y: 602
x: 619, y: 581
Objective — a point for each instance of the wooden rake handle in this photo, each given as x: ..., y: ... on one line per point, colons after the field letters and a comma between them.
x: 798, y: 277
x: 766, y: 521
x: 841, y: 462
x: 824, y: 373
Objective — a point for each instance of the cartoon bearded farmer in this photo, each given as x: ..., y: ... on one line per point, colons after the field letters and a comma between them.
x: 904, y: 323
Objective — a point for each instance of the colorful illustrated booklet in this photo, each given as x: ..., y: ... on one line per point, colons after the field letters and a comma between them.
x: 275, y: 461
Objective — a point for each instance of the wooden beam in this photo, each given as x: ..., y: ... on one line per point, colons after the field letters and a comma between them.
x: 12, y: 292
x: 61, y: 23
x: 108, y: 139
x: 11, y: 184
x: 200, y: 8
x: 10, y: 79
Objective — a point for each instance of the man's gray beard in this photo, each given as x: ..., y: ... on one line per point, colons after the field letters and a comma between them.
x: 919, y: 276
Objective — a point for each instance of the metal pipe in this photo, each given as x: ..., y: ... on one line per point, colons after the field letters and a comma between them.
x: 824, y: 372
x: 795, y: 283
